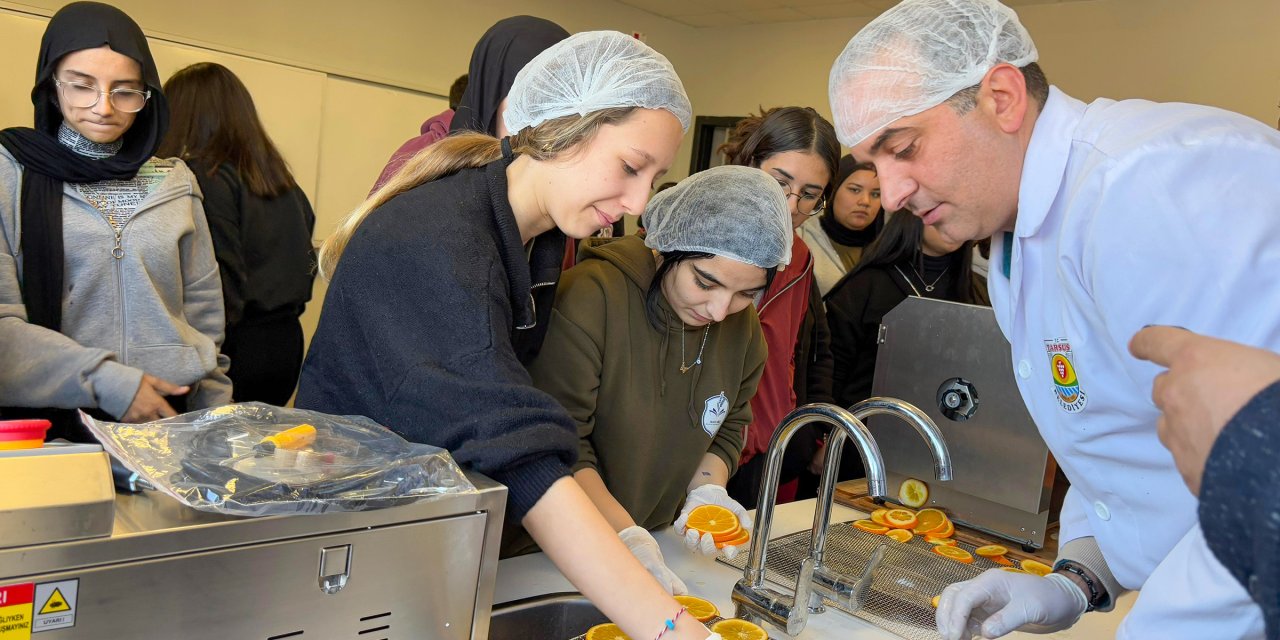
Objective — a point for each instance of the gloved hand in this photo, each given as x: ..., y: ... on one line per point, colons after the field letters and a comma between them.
x: 642, y: 545
x: 998, y: 602
x: 709, y: 494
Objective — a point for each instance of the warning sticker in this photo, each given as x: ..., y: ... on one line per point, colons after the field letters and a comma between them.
x: 55, y: 605
x: 15, y: 611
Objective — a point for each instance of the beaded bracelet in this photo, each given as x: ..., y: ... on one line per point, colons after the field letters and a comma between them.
x: 670, y: 625
x: 1095, y: 594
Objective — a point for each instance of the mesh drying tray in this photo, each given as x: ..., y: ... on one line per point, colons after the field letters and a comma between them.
x: 908, y: 578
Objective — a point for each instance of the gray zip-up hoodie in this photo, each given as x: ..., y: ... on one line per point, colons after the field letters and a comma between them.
x: 156, y: 309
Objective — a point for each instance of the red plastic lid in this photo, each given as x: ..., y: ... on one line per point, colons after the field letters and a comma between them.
x: 23, y: 429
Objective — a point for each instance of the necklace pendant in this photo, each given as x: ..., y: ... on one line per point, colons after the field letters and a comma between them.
x: 684, y: 369
x: 928, y: 287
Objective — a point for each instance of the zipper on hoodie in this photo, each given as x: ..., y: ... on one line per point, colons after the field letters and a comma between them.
x: 533, y: 304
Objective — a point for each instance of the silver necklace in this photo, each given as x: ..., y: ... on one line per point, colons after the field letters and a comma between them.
x: 927, y: 285
x: 698, y: 360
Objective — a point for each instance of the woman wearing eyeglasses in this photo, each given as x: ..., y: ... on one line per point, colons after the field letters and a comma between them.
x: 798, y: 148
x: 110, y: 298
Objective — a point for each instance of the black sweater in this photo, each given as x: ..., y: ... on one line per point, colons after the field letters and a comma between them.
x: 420, y: 327
x: 263, y: 247
x: 1239, y: 504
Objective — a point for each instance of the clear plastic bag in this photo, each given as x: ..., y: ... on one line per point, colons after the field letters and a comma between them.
x: 254, y: 459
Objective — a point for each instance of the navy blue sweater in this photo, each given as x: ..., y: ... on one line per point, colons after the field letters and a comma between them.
x: 420, y: 332
x: 1240, y: 501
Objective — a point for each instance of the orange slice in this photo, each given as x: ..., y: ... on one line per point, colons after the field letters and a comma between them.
x: 901, y: 535
x: 935, y: 601
x: 700, y: 609
x: 713, y: 519
x: 913, y: 493
x: 608, y: 631
x: 741, y: 539
x: 1013, y: 569
x: 929, y: 519
x: 954, y: 553
x: 877, y: 516
x: 900, y: 518
x: 935, y: 540
x: 735, y: 629
x: 870, y: 527
x: 990, y: 550
x: 947, y: 530
x: 721, y: 537
x: 1038, y: 568
x: 1001, y: 560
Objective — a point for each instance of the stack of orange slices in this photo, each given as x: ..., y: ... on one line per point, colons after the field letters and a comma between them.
x: 721, y: 523
x: 904, y: 524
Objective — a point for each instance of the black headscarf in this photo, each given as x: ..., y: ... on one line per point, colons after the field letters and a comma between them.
x: 839, y: 233
x: 47, y: 164
x: 500, y: 54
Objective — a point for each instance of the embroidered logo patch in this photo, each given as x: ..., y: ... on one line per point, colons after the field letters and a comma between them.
x: 714, y: 411
x: 1066, y: 383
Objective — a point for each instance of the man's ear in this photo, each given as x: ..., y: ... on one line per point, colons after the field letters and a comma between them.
x: 1004, y: 94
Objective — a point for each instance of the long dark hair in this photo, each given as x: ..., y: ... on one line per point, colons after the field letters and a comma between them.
x: 900, y: 243
x: 213, y: 121
x: 780, y: 129
x: 666, y: 263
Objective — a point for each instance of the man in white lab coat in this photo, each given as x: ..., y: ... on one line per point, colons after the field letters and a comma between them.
x: 1105, y: 217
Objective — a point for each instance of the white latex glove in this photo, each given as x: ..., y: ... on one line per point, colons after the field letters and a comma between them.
x: 998, y: 602
x: 710, y: 494
x: 642, y: 545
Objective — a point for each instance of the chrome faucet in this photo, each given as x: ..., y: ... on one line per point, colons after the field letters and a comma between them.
x: 790, y: 613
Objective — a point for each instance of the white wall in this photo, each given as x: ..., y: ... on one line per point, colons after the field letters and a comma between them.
x: 341, y: 84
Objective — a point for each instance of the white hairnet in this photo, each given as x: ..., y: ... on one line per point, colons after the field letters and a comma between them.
x: 591, y: 71
x: 918, y: 54
x: 731, y: 211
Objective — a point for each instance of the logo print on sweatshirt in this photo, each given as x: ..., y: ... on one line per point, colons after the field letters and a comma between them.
x: 1066, y: 384
x: 714, y: 411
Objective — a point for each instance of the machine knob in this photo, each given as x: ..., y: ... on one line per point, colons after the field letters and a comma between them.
x: 957, y: 399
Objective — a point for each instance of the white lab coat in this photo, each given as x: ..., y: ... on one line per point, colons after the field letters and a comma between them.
x: 1134, y: 213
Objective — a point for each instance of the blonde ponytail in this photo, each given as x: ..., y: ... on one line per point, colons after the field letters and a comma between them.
x: 465, y: 151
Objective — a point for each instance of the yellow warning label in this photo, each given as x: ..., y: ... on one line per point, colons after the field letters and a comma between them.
x: 15, y: 611
x: 55, y: 603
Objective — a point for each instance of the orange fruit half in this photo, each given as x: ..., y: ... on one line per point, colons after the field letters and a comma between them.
x: 900, y: 518
x: 870, y: 527
x: 913, y: 493
x: 713, y: 519
x: 990, y: 550
x: 1038, y: 568
x: 700, y: 609
x: 735, y: 629
x: 954, y: 553
x: 901, y: 535
x: 608, y: 631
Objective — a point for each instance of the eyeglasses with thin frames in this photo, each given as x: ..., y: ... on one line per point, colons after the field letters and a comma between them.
x: 86, y: 96
x: 810, y: 204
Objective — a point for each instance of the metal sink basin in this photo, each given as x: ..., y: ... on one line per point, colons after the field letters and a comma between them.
x: 556, y: 616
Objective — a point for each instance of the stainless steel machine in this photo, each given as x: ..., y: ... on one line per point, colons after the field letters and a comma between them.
x: 952, y: 361
x: 423, y: 570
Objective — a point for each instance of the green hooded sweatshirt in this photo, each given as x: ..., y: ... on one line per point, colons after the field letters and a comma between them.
x: 644, y: 426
